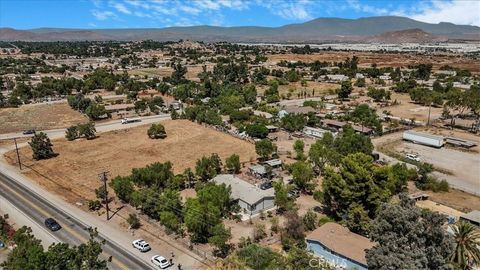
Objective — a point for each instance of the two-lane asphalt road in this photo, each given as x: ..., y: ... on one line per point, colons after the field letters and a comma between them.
x: 73, y: 231
x: 100, y: 127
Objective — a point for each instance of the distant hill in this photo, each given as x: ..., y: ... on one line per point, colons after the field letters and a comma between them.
x: 319, y: 30
x: 406, y: 36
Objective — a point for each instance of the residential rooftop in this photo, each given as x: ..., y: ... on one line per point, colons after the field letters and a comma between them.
x: 341, y: 241
x: 243, y: 190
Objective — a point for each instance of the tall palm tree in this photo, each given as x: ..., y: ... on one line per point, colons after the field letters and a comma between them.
x: 467, y: 245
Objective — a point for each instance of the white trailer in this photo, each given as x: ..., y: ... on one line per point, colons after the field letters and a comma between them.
x: 131, y: 120
x: 424, y: 138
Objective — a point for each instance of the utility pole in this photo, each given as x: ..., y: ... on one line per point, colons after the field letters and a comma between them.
x: 18, y: 154
x: 429, y: 108
x: 103, y: 176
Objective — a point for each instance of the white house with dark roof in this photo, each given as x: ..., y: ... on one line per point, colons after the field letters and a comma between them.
x: 251, y: 199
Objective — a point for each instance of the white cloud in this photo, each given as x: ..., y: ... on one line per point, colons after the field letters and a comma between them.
x: 121, y: 8
x: 103, y: 15
x: 290, y: 10
x: 456, y: 11
x: 190, y: 10
x: 361, y: 7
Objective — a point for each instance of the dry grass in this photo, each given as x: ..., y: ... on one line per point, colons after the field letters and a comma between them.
x: 384, y: 59
x: 73, y: 173
x: 39, y: 117
x: 406, y: 109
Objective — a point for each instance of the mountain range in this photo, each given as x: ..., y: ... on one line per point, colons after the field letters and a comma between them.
x: 382, y: 29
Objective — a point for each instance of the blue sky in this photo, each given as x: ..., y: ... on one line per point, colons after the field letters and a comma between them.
x: 27, y: 14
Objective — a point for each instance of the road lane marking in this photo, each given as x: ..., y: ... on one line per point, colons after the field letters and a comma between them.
x: 67, y: 228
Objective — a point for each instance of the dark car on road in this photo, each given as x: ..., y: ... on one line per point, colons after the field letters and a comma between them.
x: 52, y: 224
x: 29, y: 132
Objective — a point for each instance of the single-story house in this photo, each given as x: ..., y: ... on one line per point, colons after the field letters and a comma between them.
x: 418, y: 196
x: 339, y: 246
x: 263, y: 114
x: 336, y: 77
x: 250, y: 198
x: 314, y: 132
x: 274, y: 163
x: 258, y: 171
x: 472, y: 217
x: 272, y: 128
x: 300, y: 110
x: 115, y: 108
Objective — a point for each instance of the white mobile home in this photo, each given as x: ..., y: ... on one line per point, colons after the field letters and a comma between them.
x: 314, y: 132
x: 250, y: 198
x: 424, y: 138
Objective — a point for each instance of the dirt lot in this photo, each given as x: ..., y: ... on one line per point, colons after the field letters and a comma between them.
x: 461, y: 166
x: 383, y: 59
x: 39, y: 117
x: 406, y: 109
x: 75, y: 170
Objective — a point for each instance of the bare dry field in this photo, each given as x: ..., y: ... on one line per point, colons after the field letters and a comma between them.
x: 73, y: 173
x: 406, y: 109
x: 383, y: 59
x: 39, y: 117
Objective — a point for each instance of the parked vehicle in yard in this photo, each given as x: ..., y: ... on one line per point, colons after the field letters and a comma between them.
x: 413, y: 157
x: 160, y: 261
x: 294, y: 193
x: 131, y: 120
x: 266, y: 185
x: 424, y: 138
x: 52, y: 224
x: 141, y: 245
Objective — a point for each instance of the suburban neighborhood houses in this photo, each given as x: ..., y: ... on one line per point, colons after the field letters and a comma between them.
x: 332, y: 143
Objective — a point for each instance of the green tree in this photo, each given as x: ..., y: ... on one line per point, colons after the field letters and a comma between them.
x: 200, y: 219
x: 157, y: 131
x: 257, y: 131
x: 293, y: 233
x: 302, y: 174
x: 408, y: 238
x: 466, y: 253
x: 257, y: 257
x: 72, y: 133
x: 310, y: 220
x: 349, y: 142
x: 265, y: 148
x: 322, y: 152
x: 123, y: 187
x: 133, y: 221
x: 208, y: 167
x: 95, y: 110
x: 358, y: 220
x: 232, y: 163
x: 87, y: 130
x: 41, y: 146
x: 219, y: 239
x: 282, y: 200
x: 357, y: 181
x: 345, y: 90
x: 293, y: 122
x: 299, y: 147
x: 360, y: 82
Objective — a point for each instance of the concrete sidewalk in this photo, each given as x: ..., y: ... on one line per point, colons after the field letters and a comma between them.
x: 109, y: 231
